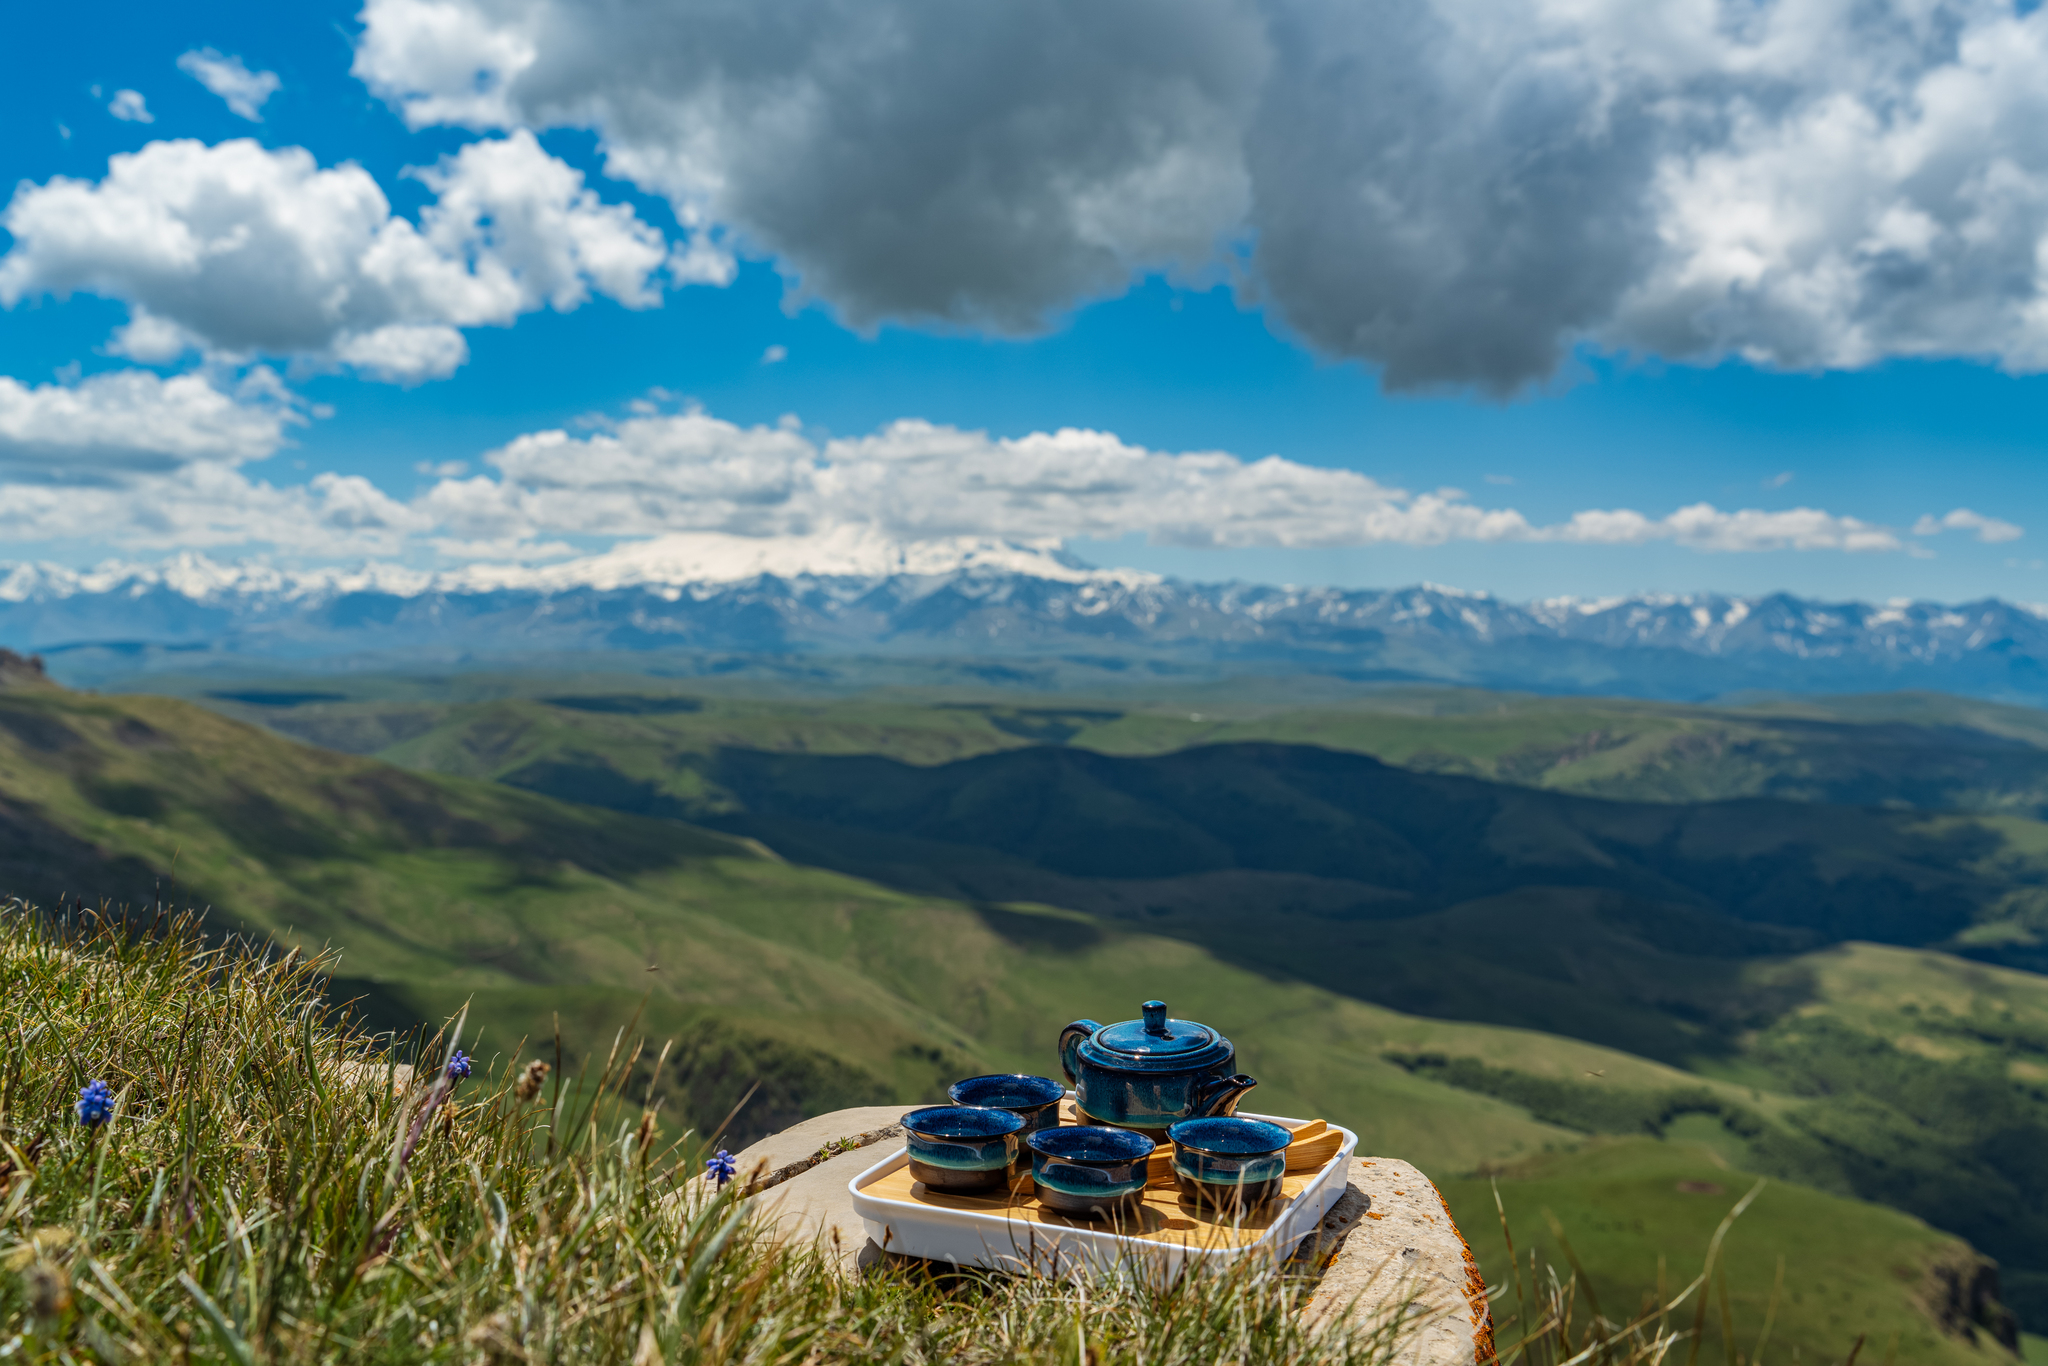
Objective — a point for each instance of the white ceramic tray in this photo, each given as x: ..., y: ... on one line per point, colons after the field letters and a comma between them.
x: 1017, y: 1235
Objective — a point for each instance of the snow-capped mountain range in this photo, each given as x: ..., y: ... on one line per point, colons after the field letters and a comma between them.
x: 664, y: 562
x: 855, y: 592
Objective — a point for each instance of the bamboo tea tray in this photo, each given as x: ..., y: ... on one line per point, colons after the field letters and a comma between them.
x: 1014, y: 1232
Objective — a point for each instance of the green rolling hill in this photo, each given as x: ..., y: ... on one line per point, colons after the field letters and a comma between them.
x: 1919, y: 750
x: 439, y: 890
x: 1477, y: 976
x: 1696, y: 934
x: 810, y: 768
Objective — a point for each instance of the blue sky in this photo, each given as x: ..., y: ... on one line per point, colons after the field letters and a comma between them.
x: 1886, y: 404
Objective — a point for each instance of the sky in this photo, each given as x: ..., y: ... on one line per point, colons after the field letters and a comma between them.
x: 1583, y: 297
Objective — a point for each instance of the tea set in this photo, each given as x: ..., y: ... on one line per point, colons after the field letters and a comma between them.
x: 1137, y: 1085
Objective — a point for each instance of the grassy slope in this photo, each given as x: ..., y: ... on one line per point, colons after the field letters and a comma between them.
x: 261, y: 1193
x: 677, y: 764
x: 438, y: 890
x: 1849, y: 1268
x: 227, y: 1076
x: 1919, y: 749
x: 1923, y: 750
x: 508, y: 892
x: 1649, y: 962
x: 929, y: 986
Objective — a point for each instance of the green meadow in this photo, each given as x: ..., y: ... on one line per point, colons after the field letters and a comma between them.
x: 1802, y: 1275
x: 1491, y: 967
x: 1913, y: 749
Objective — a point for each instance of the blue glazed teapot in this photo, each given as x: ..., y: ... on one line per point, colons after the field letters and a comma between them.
x: 1150, y: 1073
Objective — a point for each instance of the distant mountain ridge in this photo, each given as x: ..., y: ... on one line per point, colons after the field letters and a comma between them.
x: 850, y: 592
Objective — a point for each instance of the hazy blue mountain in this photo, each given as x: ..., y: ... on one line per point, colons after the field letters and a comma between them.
x: 1018, y: 603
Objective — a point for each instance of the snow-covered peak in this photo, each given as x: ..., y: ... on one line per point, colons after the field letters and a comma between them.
x: 843, y: 552
x: 673, y: 561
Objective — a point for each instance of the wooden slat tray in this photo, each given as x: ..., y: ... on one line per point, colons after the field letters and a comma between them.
x: 1014, y: 1231
x: 1162, y: 1216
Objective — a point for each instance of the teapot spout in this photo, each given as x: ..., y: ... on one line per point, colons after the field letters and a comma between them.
x: 1219, y: 1096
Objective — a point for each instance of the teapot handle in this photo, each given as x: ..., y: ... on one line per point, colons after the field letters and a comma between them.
x: 1070, y: 1045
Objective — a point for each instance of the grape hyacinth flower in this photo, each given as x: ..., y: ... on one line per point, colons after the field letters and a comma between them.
x: 95, y: 1104
x: 721, y: 1165
x: 458, y: 1066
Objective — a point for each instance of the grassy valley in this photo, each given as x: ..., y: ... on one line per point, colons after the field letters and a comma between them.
x: 439, y: 890
x: 1918, y: 750
x: 857, y: 900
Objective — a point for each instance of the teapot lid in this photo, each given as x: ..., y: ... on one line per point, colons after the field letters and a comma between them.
x: 1155, y: 1036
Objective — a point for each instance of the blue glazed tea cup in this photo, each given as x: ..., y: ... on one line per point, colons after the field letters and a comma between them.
x: 1229, y: 1165
x: 1089, y: 1170
x: 961, y: 1147
x: 1035, y: 1100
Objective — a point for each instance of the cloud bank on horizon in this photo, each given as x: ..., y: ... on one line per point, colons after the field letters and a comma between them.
x: 163, y: 457
x: 917, y: 481
x: 1455, y: 194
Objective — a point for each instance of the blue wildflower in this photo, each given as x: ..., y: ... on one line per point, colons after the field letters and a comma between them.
x: 458, y: 1066
x: 721, y: 1165
x: 95, y: 1104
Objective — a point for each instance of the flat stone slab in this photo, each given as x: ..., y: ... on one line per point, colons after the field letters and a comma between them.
x: 815, y: 1206
x: 1391, y: 1255
x: 1387, y: 1257
x: 800, y: 1177
x: 780, y: 1157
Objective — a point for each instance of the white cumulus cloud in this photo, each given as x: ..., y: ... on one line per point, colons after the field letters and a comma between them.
x: 915, y: 481
x: 132, y: 459
x: 129, y: 107
x: 110, y: 427
x: 241, y: 250
x: 1990, y: 530
x: 210, y: 505
x: 1702, y: 526
x: 1455, y: 191
x: 245, y: 91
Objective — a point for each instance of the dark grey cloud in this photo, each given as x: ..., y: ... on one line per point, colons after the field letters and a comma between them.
x: 1454, y: 191
x: 1454, y: 214
x: 982, y: 165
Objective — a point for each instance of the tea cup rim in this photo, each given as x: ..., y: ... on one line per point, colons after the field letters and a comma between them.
x: 1070, y: 1133
x: 1229, y: 1123
x: 1000, y: 1121
x: 1058, y: 1091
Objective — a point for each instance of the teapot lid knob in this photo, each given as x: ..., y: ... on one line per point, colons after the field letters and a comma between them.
x: 1155, y: 1017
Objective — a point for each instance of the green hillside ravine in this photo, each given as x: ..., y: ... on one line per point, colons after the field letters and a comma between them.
x: 1684, y: 932
x: 842, y: 988
x: 1921, y: 750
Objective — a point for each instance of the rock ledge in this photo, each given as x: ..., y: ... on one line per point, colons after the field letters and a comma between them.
x: 1388, y: 1256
